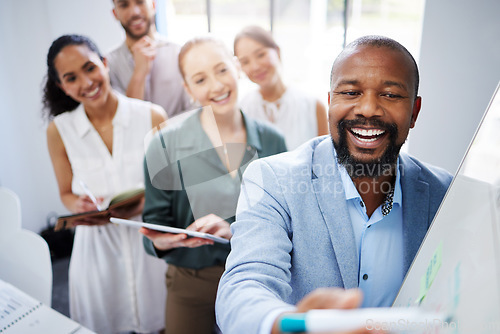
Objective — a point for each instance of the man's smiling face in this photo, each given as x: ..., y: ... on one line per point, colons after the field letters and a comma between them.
x: 372, y: 105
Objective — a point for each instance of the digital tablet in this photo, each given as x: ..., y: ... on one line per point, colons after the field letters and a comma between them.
x: 168, y: 229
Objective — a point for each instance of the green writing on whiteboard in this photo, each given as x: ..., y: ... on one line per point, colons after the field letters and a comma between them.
x: 431, y: 272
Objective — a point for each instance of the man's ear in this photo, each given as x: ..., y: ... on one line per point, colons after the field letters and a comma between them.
x: 328, y: 98
x: 114, y: 12
x: 416, y: 110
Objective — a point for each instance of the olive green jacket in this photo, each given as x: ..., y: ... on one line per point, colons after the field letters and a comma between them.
x: 186, y: 180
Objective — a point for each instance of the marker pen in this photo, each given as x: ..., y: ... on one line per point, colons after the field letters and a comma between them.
x: 345, y: 320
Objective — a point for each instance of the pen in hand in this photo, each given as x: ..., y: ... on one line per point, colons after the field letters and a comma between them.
x: 89, y: 194
x: 322, y: 320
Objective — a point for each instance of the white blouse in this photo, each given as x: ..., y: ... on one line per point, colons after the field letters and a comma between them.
x: 114, y: 285
x: 294, y: 114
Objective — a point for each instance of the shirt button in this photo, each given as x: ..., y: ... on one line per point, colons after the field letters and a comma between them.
x: 362, y: 204
x: 368, y: 226
x: 365, y: 277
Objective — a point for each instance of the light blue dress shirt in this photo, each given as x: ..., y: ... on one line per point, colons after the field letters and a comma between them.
x: 379, y: 242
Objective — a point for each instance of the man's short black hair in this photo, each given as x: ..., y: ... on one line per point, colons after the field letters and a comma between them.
x: 380, y: 42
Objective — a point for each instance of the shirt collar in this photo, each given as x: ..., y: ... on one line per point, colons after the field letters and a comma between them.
x: 350, y: 190
x: 253, y: 138
x: 352, y: 193
x: 82, y: 122
x: 398, y: 193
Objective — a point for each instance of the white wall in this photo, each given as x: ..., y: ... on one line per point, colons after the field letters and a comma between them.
x: 27, y: 30
x: 460, y: 69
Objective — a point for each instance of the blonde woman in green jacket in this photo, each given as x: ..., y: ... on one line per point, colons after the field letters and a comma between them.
x: 205, y: 154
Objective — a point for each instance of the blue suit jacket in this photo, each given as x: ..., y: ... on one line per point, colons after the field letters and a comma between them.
x: 293, y: 232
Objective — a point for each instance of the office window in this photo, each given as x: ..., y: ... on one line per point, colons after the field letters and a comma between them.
x: 228, y: 17
x: 186, y: 19
x: 398, y: 19
x: 310, y: 33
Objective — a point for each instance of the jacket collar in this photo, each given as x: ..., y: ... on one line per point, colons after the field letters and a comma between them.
x: 195, y: 136
x: 253, y: 138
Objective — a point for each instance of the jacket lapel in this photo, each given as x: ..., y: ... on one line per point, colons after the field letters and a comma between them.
x: 332, y: 203
x: 196, y: 145
x: 415, y: 208
x: 330, y: 195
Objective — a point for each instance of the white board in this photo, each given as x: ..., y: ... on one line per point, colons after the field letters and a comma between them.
x: 457, y: 268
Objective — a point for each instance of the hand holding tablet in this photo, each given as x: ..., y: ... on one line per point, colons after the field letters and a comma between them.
x: 169, y: 229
